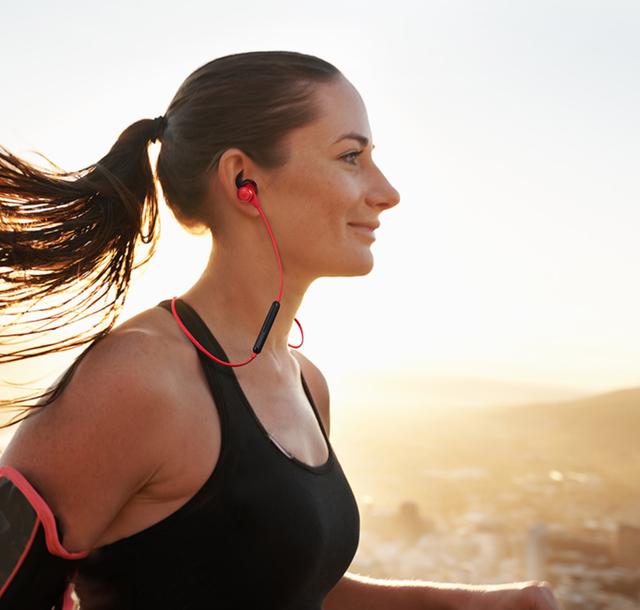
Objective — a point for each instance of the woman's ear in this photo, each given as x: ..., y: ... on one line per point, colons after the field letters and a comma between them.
x: 233, y: 163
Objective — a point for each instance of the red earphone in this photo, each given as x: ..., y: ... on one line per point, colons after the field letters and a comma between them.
x: 248, y: 192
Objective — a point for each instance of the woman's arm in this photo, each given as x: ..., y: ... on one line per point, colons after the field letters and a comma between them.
x: 356, y: 592
x: 89, y: 451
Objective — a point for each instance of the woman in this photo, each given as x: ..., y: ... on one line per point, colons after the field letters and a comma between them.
x: 180, y: 474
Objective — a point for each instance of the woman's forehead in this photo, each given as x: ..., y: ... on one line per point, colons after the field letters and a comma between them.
x: 341, y: 113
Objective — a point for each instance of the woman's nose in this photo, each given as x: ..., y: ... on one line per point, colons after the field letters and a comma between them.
x: 386, y: 198
x: 394, y: 198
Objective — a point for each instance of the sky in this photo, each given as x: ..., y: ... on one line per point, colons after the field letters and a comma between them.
x: 510, y: 130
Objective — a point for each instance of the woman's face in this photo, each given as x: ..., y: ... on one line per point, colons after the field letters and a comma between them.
x: 329, y: 183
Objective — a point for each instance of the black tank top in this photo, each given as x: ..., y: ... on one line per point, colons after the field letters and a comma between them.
x: 265, y: 531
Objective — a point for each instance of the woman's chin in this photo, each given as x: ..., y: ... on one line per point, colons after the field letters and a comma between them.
x: 360, y: 265
x: 353, y: 264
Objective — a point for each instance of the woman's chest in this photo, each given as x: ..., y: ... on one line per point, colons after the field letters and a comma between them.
x: 192, y: 445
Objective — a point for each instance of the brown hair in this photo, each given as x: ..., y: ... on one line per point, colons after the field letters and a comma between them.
x: 73, y: 234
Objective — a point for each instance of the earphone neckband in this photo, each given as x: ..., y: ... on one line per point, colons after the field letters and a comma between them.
x: 248, y: 192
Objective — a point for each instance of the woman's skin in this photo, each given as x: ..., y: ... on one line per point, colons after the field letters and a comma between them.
x: 309, y: 204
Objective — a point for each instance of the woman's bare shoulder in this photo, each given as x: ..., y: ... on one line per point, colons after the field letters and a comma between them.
x: 105, y: 435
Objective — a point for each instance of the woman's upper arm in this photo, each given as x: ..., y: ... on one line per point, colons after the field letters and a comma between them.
x: 101, y: 440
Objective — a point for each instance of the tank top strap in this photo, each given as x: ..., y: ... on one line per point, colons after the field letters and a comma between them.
x: 201, y: 333
x: 219, y: 377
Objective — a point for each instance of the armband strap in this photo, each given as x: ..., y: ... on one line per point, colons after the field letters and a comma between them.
x: 35, y: 569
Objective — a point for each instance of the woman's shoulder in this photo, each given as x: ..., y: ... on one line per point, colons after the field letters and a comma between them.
x: 107, y: 429
x: 154, y: 325
x: 149, y: 341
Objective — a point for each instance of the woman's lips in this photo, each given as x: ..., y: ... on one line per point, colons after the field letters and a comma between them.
x: 363, y: 230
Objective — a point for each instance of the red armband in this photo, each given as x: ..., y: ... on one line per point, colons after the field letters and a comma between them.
x: 35, y: 569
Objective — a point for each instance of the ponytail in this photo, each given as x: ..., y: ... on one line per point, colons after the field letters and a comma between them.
x: 73, y: 234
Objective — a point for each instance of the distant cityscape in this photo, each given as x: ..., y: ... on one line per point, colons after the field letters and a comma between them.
x: 591, y: 564
x: 497, y: 495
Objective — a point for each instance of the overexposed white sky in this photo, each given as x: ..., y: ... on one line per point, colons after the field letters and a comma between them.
x: 510, y: 129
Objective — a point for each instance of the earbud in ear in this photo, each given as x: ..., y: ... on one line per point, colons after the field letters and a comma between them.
x: 247, y: 190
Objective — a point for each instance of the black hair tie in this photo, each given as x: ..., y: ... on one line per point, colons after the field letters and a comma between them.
x: 157, y: 129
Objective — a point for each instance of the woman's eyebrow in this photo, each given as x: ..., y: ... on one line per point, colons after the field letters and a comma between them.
x: 355, y: 136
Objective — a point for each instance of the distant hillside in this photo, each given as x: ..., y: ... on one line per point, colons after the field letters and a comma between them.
x: 409, y: 388
x: 601, y: 431
x: 393, y: 447
x: 608, y: 422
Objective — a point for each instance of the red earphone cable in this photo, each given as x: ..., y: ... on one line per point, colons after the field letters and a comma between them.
x: 273, y: 241
x: 243, y: 192
x: 197, y: 343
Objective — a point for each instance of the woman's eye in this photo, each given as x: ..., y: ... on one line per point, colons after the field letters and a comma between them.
x: 352, y: 154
